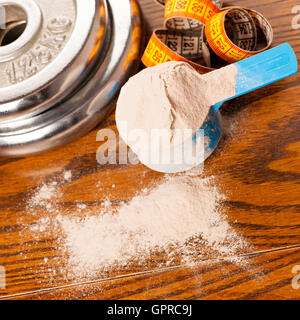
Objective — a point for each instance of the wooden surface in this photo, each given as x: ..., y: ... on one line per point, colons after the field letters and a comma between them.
x: 257, y: 167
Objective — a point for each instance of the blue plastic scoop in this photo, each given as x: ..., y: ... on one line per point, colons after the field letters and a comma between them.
x: 253, y: 73
x: 263, y: 69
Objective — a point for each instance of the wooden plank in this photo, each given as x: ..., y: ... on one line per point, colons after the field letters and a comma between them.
x: 266, y: 276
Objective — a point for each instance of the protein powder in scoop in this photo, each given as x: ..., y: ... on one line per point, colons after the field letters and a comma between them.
x: 172, y: 96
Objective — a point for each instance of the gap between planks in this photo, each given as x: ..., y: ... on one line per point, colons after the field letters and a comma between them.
x: 80, y: 284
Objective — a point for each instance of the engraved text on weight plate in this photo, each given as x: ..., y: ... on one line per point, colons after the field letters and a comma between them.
x: 47, y: 48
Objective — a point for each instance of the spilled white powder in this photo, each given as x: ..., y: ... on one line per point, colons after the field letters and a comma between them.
x: 180, y: 218
x: 68, y: 175
x: 44, y: 195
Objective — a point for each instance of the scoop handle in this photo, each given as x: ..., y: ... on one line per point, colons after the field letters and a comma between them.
x: 263, y: 69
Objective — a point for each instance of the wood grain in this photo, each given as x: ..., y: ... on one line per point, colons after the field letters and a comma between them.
x: 256, y: 166
x: 267, y: 275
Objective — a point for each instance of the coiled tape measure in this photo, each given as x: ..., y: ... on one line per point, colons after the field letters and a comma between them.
x: 206, y: 35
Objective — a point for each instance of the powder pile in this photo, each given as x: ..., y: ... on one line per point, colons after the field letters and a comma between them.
x: 172, y: 96
x: 180, y: 219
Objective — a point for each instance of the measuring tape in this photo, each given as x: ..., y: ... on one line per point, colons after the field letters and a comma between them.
x: 206, y: 36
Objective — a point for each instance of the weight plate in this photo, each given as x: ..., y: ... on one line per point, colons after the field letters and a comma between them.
x: 50, y: 58
x: 84, y: 109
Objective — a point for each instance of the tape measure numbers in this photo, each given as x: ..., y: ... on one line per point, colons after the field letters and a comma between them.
x: 198, y: 31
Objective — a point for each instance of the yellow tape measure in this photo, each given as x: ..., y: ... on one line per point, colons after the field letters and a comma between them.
x: 189, y: 14
x: 197, y: 31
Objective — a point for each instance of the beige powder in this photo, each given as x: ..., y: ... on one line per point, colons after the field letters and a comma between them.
x: 172, y: 96
x: 180, y: 218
